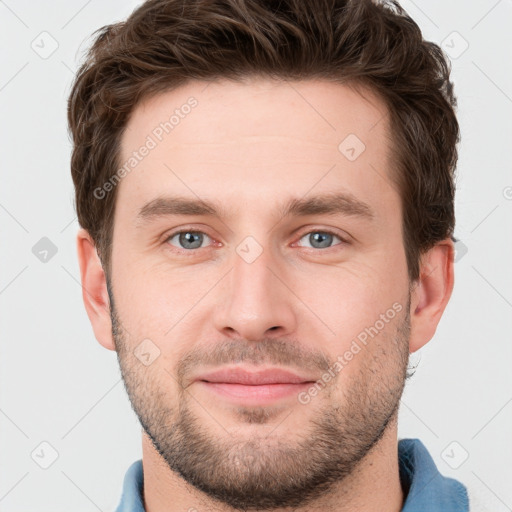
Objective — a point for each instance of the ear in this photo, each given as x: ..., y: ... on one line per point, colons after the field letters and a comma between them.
x: 94, y: 289
x: 431, y: 293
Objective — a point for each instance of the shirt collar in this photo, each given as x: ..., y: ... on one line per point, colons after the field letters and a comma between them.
x: 425, y: 488
x: 133, y: 489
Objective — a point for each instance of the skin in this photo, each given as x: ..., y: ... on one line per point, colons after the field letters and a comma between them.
x: 252, y: 146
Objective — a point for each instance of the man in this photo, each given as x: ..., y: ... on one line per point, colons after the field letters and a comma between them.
x: 265, y: 191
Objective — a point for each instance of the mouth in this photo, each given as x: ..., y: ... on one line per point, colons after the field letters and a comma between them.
x: 243, y: 386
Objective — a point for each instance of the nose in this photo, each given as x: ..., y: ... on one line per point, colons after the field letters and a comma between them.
x: 256, y: 300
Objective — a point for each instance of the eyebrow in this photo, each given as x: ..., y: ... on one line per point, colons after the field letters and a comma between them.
x: 325, y: 204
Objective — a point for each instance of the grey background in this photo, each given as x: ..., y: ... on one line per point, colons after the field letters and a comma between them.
x: 59, y: 386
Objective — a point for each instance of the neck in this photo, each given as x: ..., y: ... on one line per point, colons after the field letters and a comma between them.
x: 373, y: 486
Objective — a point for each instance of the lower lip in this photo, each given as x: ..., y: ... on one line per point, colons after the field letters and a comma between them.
x: 260, y: 394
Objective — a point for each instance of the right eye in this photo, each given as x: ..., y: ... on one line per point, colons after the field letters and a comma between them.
x: 187, y: 239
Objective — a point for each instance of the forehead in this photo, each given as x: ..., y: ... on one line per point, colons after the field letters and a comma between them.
x: 248, y: 140
x: 258, y: 107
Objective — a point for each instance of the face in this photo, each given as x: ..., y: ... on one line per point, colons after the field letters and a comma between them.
x: 292, y: 259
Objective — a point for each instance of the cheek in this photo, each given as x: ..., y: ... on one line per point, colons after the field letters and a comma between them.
x: 361, y: 305
x: 370, y: 363
x: 351, y: 296
x: 153, y: 298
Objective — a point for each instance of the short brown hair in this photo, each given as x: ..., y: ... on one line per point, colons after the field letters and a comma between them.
x: 167, y: 43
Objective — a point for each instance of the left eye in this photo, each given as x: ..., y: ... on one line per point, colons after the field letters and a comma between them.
x: 321, y: 239
x: 189, y: 239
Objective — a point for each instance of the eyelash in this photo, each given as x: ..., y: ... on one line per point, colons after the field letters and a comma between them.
x: 192, y: 252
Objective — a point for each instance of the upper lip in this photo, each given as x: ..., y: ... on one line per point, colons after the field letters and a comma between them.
x: 254, y: 378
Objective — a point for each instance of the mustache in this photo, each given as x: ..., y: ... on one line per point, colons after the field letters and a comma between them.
x: 267, y: 351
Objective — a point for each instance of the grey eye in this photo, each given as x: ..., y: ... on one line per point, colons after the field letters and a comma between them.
x: 320, y: 239
x: 189, y: 239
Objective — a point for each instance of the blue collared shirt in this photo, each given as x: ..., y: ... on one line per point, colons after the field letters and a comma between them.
x: 425, y: 488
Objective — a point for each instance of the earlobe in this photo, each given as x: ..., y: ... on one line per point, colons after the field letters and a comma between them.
x: 94, y: 289
x: 431, y: 293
